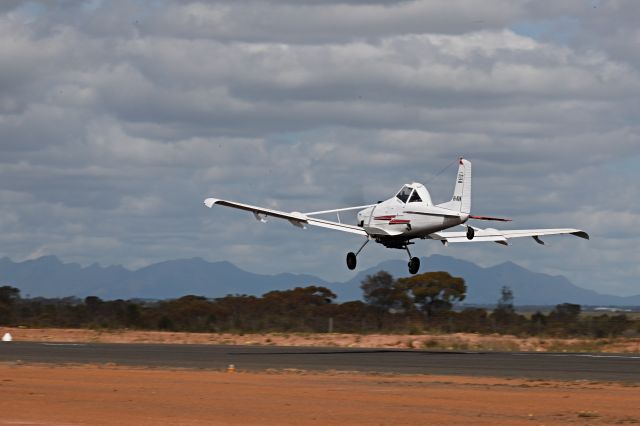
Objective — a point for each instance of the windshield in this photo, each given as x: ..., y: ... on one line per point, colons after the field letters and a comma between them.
x: 404, y: 193
x: 415, y: 198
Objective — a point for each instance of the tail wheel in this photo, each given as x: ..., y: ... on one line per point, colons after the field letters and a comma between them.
x: 414, y: 265
x: 470, y: 233
x: 351, y: 260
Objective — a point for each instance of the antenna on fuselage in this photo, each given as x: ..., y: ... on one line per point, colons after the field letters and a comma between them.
x: 441, y: 171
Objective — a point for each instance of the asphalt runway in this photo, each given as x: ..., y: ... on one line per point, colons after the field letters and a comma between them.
x: 549, y: 366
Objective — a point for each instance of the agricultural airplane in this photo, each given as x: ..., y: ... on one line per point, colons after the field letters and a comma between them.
x: 409, y: 215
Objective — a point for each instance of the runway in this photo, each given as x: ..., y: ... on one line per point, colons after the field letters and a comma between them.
x: 549, y: 366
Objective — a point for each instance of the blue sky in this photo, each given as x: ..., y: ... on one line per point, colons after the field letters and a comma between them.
x: 118, y: 118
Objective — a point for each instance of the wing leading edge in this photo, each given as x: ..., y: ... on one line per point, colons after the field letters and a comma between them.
x: 295, y: 218
x: 503, y: 236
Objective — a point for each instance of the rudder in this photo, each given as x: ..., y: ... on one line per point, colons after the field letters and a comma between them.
x: 461, y: 199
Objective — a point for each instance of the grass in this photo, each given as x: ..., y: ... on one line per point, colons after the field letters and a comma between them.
x: 456, y: 344
x: 578, y: 346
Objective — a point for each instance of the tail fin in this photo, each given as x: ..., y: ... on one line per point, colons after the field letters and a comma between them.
x: 461, y: 200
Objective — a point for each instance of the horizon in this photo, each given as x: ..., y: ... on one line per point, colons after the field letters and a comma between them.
x: 359, y: 271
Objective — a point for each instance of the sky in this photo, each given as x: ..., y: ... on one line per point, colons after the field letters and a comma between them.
x: 117, y: 118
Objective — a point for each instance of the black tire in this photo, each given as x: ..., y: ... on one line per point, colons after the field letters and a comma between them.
x: 470, y: 233
x: 414, y: 265
x: 351, y: 261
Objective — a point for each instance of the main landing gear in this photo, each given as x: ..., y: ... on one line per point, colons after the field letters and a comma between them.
x: 414, y: 262
x: 352, y: 257
x: 470, y: 233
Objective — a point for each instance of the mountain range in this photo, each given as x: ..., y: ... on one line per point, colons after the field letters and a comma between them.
x: 49, y: 277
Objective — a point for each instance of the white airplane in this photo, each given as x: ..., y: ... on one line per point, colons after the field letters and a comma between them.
x: 409, y: 215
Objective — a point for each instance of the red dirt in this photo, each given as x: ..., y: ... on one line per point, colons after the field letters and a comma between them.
x: 56, y: 395
x: 470, y: 341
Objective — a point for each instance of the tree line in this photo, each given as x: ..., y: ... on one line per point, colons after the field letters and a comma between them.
x: 421, y: 303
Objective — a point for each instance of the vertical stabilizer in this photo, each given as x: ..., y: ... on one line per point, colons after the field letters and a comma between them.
x: 461, y: 200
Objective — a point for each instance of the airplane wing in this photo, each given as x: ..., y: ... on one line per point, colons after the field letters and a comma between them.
x: 295, y: 218
x: 503, y: 236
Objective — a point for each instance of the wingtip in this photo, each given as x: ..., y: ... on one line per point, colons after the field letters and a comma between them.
x: 209, y: 202
x: 581, y: 234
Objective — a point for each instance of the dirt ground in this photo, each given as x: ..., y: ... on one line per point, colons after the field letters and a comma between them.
x: 32, y: 394
x: 99, y: 395
x: 457, y: 341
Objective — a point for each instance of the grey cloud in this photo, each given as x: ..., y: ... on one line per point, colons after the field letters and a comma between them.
x: 10, y: 5
x: 118, y: 118
x: 322, y: 23
x: 281, y: 22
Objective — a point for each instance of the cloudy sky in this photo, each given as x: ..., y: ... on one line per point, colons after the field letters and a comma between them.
x: 117, y: 118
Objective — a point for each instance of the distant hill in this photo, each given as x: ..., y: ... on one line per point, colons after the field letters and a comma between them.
x: 484, y: 284
x: 49, y: 277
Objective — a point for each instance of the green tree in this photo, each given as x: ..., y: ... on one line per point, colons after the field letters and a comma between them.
x: 566, y: 312
x: 302, y: 308
x: 538, y: 323
x: 474, y: 320
x: 565, y: 319
x: 9, y: 295
x: 189, y: 313
x: 8, y: 298
x: 301, y: 296
x: 93, y: 303
x: 504, y: 315
x: 434, y: 292
x: 505, y: 303
x: 382, y: 292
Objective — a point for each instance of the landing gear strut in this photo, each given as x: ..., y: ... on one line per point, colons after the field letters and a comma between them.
x: 414, y: 263
x: 352, y: 257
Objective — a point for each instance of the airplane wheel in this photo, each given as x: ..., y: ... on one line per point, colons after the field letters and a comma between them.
x: 414, y: 265
x: 351, y: 260
x: 470, y: 233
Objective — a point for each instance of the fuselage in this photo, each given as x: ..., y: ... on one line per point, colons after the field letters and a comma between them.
x: 408, y: 215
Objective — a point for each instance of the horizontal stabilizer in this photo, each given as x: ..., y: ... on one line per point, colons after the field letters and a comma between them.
x: 497, y: 219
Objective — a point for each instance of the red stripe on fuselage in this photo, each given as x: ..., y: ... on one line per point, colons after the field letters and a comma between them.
x: 399, y: 222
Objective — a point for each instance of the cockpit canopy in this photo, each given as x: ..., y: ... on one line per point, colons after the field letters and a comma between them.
x: 404, y: 193
x: 414, y: 193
